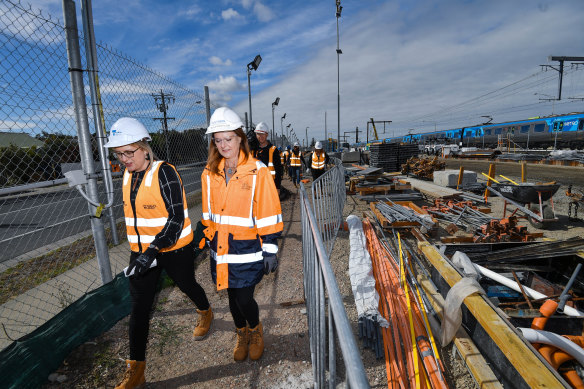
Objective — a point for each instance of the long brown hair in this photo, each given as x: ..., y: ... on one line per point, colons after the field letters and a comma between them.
x: 215, y: 157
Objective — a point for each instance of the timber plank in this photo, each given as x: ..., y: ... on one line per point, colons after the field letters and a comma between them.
x: 534, y: 371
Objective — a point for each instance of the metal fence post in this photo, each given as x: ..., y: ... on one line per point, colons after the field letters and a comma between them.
x: 84, y: 137
x: 98, y: 118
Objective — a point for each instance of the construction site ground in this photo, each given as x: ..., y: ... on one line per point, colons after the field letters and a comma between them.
x: 176, y: 360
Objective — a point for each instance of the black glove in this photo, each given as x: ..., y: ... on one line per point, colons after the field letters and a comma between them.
x: 141, y: 264
x: 270, y: 263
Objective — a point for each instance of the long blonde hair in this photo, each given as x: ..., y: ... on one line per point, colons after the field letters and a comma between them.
x: 146, y: 147
x: 215, y: 157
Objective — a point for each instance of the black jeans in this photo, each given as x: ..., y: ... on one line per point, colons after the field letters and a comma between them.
x: 316, y: 173
x: 180, y: 266
x: 243, y: 307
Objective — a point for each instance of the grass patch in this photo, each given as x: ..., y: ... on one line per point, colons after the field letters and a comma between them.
x: 36, y: 271
x: 165, y: 334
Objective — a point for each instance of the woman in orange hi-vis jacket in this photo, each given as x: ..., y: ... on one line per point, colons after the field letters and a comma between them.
x: 241, y: 210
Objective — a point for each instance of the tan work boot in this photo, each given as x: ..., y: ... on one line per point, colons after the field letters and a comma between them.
x: 256, y: 342
x: 241, y: 347
x: 134, y: 376
x: 203, y: 324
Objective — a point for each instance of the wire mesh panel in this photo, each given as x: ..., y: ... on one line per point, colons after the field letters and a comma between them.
x: 48, y: 260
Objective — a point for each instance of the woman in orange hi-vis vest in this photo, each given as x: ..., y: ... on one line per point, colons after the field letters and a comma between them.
x: 160, y: 236
x: 241, y: 210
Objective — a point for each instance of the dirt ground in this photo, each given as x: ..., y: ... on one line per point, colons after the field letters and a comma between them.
x: 176, y: 360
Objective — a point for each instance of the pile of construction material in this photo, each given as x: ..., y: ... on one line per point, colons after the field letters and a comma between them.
x: 390, y: 156
x: 423, y: 167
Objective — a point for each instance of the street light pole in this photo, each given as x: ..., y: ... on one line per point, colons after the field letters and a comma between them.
x: 252, y: 65
x: 282, y: 129
x: 276, y: 102
x: 339, y: 52
x: 306, y: 136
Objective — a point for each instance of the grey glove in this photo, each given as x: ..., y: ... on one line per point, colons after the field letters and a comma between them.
x: 141, y: 264
x: 270, y: 263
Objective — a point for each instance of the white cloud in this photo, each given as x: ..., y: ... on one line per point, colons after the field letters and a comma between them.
x: 222, y: 88
x: 229, y: 13
x: 263, y: 13
x: 404, y: 71
x: 217, y: 61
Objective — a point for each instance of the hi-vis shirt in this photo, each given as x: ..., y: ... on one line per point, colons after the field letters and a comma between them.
x: 243, y: 219
x: 283, y: 157
x: 270, y: 163
x: 150, y: 215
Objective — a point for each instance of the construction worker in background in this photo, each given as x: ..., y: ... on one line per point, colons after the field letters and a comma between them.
x: 296, y: 162
x: 160, y: 235
x: 318, y: 161
x: 242, y: 212
x: 268, y: 153
x: 286, y: 163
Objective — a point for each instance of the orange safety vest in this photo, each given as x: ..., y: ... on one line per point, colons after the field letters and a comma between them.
x: 151, y: 214
x: 271, y: 167
x: 295, y: 159
x: 317, y: 161
x: 283, y: 157
x: 243, y: 219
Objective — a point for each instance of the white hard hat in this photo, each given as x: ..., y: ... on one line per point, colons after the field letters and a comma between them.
x: 126, y: 131
x: 224, y: 119
x: 318, y: 145
x: 296, y: 144
x: 262, y: 127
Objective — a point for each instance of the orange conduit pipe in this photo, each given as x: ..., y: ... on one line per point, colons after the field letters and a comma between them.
x: 401, y: 369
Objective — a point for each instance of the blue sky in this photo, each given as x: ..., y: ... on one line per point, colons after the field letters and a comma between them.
x: 413, y: 62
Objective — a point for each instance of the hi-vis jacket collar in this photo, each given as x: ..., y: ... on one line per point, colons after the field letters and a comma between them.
x: 243, y: 169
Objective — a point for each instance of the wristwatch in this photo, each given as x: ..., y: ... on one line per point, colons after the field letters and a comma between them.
x: 153, y: 247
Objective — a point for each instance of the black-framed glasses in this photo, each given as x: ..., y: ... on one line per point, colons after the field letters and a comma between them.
x: 128, y: 153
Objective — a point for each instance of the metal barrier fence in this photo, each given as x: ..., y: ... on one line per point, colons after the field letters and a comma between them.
x: 328, y: 191
x: 328, y: 199
x: 48, y: 256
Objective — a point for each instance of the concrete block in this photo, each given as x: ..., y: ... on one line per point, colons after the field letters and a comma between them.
x: 449, y: 178
x: 350, y: 156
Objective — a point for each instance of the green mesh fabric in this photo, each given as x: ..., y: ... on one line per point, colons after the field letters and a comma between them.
x: 28, y: 361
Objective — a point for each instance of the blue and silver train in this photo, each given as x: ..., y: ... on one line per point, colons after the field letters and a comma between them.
x: 561, y: 131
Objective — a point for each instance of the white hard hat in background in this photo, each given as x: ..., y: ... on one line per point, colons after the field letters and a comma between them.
x: 224, y: 119
x: 318, y: 145
x: 296, y: 144
x: 126, y: 131
x: 262, y: 127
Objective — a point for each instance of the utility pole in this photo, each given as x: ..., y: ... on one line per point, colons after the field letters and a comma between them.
x: 325, y: 131
x: 306, y: 135
x: 357, y: 134
x: 162, y: 100
x: 560, y: 70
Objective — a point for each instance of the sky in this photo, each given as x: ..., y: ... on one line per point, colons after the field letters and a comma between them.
x: 422, y: 64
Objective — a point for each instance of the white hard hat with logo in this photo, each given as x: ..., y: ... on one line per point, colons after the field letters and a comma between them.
x: 224, y: 119
x: 126, y: 131
x: 296, y: 144
x: 318, y: 145
x: 262, y: 127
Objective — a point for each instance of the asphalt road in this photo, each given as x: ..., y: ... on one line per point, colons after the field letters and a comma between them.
x: 41, y: 217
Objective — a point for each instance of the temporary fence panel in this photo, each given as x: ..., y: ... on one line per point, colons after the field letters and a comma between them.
x: 49, y: 255
x: 328, y: 199
x: 319, y: 279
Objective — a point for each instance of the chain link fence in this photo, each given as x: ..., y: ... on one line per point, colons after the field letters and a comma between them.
x: 48, y: 256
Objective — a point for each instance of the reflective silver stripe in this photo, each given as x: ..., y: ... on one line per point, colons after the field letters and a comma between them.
x: 237, y: 258
x: 205, y: 215
x: 270, y: 248
x: 269, y: 221
x: 209, y: 197
x: 253, y: 186
x: 126, y: 177
x: 150, y: 238
x: 231, y: 220
x: 272, y: 172
x: 150, y: 174
x: 271, y: 164
x: 154, y: 222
